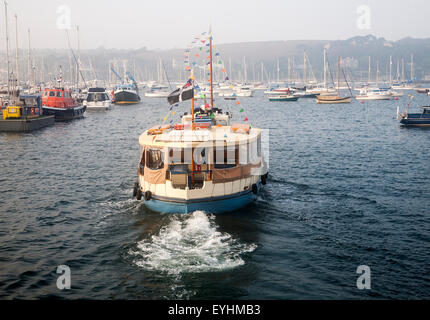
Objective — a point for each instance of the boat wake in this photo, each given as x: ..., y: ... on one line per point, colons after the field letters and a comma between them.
x: 190, y: 244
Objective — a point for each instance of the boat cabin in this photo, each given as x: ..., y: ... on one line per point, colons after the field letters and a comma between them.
x: 28, y: 107
x: 214, y: 153
x: 97, y: 95
x: 58, y: 98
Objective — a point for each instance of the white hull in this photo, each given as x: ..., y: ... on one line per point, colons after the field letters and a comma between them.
x: 98, y: 106
x: 156, y: 94
x: 376, y: 97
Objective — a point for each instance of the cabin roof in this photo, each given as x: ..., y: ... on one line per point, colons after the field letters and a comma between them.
x: 198, y: 138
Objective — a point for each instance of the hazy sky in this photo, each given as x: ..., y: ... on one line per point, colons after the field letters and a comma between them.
x: 171, y: 23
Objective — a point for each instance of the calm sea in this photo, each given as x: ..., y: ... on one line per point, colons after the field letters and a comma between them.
x: 348, y: 187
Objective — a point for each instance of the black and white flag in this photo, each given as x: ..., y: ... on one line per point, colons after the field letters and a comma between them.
x: 183, y: 94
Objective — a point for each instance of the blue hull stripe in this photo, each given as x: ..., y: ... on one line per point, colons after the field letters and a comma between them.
x: 210, y: 205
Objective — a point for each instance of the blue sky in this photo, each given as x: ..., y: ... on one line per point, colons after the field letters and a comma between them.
x: 168, y: 24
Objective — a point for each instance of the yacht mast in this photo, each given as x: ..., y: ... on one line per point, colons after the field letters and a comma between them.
x: 325, y: 70
x: 17, y: 48
x: 7, y: 50
x: 29, y: 60
x: 391, y: 71
x: 305, y: 76
x: 377, y: 73
x: 368, y: 74
x: 79, y: 60
x: 412, y: 67
x: 338, y: 76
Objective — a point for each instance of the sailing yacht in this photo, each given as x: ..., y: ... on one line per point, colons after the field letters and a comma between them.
x: 335, y: 99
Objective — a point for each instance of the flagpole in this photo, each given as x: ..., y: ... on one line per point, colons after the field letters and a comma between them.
x: 212, y: 88
x: 192, y: 102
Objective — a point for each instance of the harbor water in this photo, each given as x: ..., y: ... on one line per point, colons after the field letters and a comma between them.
x: 348, y: 186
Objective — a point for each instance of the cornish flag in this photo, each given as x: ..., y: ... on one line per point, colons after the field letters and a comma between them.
x: 183, y: 94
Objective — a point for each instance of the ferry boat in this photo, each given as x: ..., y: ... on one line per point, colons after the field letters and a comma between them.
x: 25, y: 115
x: 203, y: 163
x: 59, y: 103
x: 415, y: 119
x: 97, y: 99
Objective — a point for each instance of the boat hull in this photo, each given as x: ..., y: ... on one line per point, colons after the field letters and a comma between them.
x: 217, y: 205
x: 333, y: 100
x: 416, y: 121
x: 283, y: 99
x: 126, y: 98
x: 26, y: 125
x: 65, y: 114
x: 98, y: 106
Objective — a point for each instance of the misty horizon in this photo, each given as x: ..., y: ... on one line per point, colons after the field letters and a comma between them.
x: 171, y: 25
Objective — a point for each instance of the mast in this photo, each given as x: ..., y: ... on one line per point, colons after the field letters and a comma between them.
x: 305, y: 76
x: 391, y: 71
x: 403, y: 69
x: 368, y: 75
x: 377, y: 73
x: 412, y: 67
x: 289, y: 70
x: 79, y: 59
x: 325, y: 70
x: 17, y: 48
x: 211, y: 66
x: 7, y: 50
x: 29, y: 60
x: 278, y: 72
x: 338, y: 76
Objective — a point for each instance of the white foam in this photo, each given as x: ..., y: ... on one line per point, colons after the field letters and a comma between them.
x: 190, y: 244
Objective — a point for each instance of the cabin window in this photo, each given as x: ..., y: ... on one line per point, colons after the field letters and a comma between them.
x: 142, y: 164
x: 90, y: 97
x: 59, y: 94
x: 52, y: 93
x: 45, y: 94
x: 155, y: 159
x: 176, y: 155
x: 225, y: 157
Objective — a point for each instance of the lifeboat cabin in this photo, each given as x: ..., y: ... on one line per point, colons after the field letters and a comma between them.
x: 206, y: 165
x: 60, y: 103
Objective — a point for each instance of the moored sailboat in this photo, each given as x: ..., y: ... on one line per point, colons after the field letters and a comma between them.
x: 335, y: 99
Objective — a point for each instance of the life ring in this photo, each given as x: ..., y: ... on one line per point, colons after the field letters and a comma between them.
x: 148, y: 195
x: 139, y: 194
x: 255, y: 189
x: 136, y: 186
